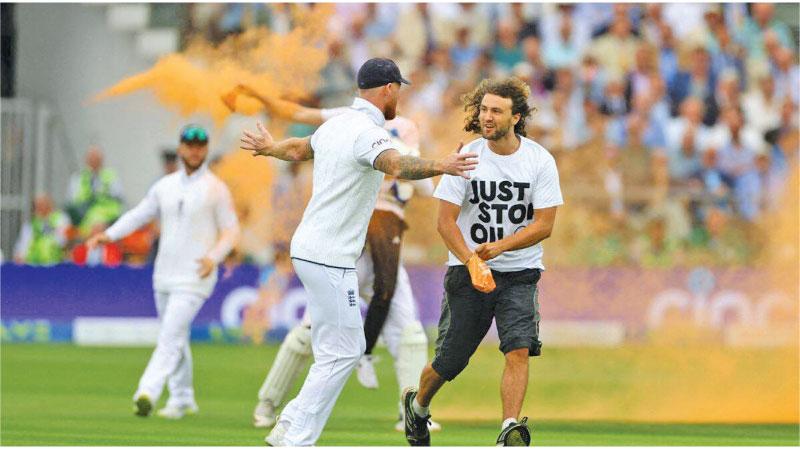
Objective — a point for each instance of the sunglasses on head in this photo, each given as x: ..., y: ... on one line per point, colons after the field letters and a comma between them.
x: 197, y: 134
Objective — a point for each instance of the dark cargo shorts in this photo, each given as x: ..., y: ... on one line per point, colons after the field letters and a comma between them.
x: 467, y: 315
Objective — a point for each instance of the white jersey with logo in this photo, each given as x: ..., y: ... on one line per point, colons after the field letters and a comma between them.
x: 192, y: 210
x: 345, y: 187
x: 500, y: 199
x: 395, y: 193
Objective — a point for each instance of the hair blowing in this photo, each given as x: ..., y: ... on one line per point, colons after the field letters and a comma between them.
x: 512, y: 88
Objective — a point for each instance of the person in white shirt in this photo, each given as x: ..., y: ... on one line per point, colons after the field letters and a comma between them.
x: 351, y: 152
x: 383, y: 281
x: 198, y: 229
x: 498, y: 219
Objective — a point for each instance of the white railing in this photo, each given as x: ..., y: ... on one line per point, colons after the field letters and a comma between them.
x: 35, y: 157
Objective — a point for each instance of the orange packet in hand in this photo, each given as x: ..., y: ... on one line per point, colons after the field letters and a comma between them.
x: 480, y: 274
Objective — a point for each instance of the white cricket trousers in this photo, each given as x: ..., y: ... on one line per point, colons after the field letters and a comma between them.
x: 337, y: 341
x: 172, y: 359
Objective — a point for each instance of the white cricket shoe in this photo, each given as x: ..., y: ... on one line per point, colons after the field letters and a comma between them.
x: 275, y: 437
x: 175, y: 412
x: 365, y: 372
x: 264, y: 414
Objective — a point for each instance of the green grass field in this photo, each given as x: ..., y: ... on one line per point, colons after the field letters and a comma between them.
x: 67, y: 395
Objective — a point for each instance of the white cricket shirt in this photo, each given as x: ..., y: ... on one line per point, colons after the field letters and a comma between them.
x: 395, y: 193
x: 345, y: 186
x: 193, y: 211
x: 500, y: 199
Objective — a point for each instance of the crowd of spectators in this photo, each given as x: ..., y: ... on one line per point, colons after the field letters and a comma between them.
x: 674, y: 126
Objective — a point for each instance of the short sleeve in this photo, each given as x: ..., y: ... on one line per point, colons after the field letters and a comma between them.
x: 451, y: 189
x: 313, y: 140
x: 328, y: 113
x: 548, y: 191
x: 370, y: 144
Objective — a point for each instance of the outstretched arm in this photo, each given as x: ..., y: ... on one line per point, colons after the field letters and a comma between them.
x: 283, y: 109
x: 131, y: 221
x: 292, y: 149
x: 407, y: 167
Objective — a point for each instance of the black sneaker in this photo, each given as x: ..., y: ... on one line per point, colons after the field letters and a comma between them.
x: 516, y: 434
x: 417, y: 433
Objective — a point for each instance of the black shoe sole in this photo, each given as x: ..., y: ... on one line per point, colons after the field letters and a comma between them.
x: 425, y: 441
x: 517, y: 435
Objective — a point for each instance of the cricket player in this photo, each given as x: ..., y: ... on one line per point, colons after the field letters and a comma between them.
x: 384, y: 285
x: 498, y: 218
x: 351, y: 153
x: 198, y: 229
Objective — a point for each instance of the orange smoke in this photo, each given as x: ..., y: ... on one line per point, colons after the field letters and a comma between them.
x: 195, y: 80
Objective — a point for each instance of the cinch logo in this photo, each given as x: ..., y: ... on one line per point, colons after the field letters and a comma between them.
x: 381, y: 141
x: 351, y: 297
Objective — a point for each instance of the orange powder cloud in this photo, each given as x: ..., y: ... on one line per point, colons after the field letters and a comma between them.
x: 193, y: 81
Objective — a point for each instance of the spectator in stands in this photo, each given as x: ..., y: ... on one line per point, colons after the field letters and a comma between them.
x: 615, y: 50
x: 474, y: 16
x: 668, y: 54
x: 614, y: 102
x: 685, y: 162
x: 414, y: 34
x: 761, y: 104
x: 754, y: 30
x: 726, y: 53
x: 562, y: 51
x: 729, y: 93
x: 652, y: 24
x: 568, y: 106
x: 169, y: 161
x: 786, y: 73
x: 691, y: 116
x: 709, y: 187
x: 381, y: 20
x: 737, y: 162
x: 636, y: 166
x: 507, y: 52
x: 698, y: 81
x: 95, y: 194
x: 541, y: 79
x: 337, y: 77
x: 42, y: 240
x: 464, y: 51
x: 637, y: 81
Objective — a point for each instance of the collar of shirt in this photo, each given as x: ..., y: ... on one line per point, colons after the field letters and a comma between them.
x: 369, y: 109
x: 194, y: 176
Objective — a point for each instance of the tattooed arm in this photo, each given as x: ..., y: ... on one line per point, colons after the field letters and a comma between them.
x: 407, y: 167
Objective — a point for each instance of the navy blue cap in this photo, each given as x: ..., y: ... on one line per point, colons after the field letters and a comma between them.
x: 377, y: 72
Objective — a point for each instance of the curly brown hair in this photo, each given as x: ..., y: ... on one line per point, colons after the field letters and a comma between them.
x: 512, y: 88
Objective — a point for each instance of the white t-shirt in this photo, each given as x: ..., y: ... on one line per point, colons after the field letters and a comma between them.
x: 345, y: 186
x: 193, y: 210
x: 500, y: 198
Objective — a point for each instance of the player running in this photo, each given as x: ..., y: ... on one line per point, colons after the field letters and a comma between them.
x: 351, y: 153
x: 198, y: 229
x: 383, y: 281
x: 500, y: 216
